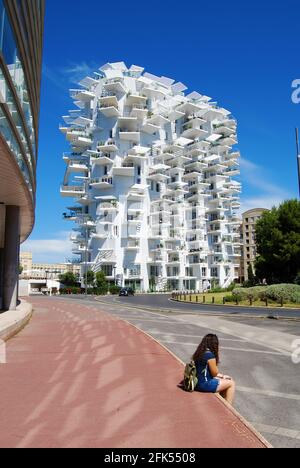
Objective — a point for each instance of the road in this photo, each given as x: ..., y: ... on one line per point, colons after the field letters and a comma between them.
x: 163, y: 301
x: 268, y: 381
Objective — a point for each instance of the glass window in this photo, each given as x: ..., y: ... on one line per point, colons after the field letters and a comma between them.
x: 14, y: 65
x: 11, y: 141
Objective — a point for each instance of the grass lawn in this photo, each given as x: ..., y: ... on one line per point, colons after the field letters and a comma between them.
x: 218, y: 299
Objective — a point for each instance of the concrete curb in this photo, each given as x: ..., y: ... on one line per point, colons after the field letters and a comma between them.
x: 12, y: 322
x: 240, y: 305
x: 224, y: 402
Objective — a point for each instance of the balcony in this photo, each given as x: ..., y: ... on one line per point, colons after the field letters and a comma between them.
x: 108, y: 146
x: 79, y: 138
x: 155, y: 258
x: 175, y: 115
x: 140, y: 112
x: 101, y: 159
x: 129, y: 135
x: 224, y: 130
x: 85, y: 200
x: 124, y: 171
x: 150, y: 128
x: 192, y: 133
x: 81, y: 95
x: 135, y: 208
x: 109, y: 111
x: 102, y: 183
x: 132, y: 245
x: 136, y: 100
x: 155, y: 92
x: 115, y: 85
x: 78, y: 167
x: 72, y: 191
x: 108, y: 99
x: 157, y: 174
x: 110, y: 207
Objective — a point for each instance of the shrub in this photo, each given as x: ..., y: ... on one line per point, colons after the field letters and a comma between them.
x: 231, y: 287
x: 250, y: 293
x: 285, y: 292
x: 232, y: 298
x: 114, y: 290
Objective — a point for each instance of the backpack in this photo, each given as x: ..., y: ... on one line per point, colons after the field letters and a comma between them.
x: 190, y: 380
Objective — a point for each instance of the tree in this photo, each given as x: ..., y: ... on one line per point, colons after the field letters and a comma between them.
x: 251, y: 277
x: 101, y: 282
x: 90, y: 278
x: 21, y: 269
x: 278, y: 244
x: 68, y: 279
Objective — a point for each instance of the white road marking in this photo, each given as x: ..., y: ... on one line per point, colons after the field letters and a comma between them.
x: 276, y: 430
x: 269, y: 393
x: 228, y: 348
x: 154, y: 332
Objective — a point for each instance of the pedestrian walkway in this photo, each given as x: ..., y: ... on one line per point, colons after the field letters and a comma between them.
x: 78, y: 377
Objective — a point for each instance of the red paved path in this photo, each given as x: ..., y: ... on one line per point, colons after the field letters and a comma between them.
x: 77, y: 377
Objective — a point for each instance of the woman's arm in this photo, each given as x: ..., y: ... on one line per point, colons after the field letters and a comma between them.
x: 213, y: 368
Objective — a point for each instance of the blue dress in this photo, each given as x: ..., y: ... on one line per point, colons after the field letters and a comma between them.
x: 206, y: 383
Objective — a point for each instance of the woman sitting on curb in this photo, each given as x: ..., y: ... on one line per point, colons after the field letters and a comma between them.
x: 209, y: 380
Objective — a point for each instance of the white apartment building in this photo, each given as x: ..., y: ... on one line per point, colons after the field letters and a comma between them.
x: 151, y: 170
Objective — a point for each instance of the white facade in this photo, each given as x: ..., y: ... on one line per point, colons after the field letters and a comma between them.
x: 151, y: 171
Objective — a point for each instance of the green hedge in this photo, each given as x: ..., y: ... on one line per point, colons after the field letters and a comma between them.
x: 285, y: 292
x: 250, y: 293
x: 276, y: 292
x: 114, y: 290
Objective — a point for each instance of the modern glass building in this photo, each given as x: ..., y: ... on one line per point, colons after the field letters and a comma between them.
x: 21, y: 40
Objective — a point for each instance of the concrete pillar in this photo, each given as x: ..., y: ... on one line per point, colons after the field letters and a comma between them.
x: 11, y: 258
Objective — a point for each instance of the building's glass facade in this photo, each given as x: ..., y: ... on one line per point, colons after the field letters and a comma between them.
x: 21, y: 41
x: 21, y: 115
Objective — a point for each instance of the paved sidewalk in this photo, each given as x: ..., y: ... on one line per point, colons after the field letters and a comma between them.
x: 77, y: 377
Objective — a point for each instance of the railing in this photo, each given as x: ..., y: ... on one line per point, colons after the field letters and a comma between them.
x: 101, y: 180
x: 68, y: 188
x: 106, y: 143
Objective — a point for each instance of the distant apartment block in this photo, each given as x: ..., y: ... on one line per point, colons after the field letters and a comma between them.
x: 249, y: 252
x: 21, y: 38
x: 152, y: 174
x: 49, y: 271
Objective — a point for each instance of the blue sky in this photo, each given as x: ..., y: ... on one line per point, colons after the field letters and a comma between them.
x: 245, y: 56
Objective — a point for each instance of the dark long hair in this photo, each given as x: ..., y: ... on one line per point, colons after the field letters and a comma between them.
x: 210, y: 342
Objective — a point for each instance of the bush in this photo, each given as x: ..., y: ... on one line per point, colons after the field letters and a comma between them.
x: 279, y: 292
x: 231, y: 287
x: 114, y: 290
x: 70, y: 290
x: 232, y: 298
x: 216, y: 290
x: 250, y: 293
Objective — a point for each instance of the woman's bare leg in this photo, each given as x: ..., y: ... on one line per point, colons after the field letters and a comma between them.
x: 226, y: 389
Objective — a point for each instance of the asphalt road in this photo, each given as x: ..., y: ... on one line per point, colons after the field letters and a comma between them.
x: 268, y: 381
x: 163, y: 301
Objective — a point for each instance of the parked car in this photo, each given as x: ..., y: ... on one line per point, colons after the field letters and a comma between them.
x: 126, y: 292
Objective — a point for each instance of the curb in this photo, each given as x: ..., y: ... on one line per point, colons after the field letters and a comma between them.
x: 11, y: 323
x: 240, y: 305
x: 224, y: 402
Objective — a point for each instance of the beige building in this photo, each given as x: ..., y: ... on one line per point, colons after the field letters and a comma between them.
x: 249, y: 252
x: 44, y: 270
x: 26, y: 263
